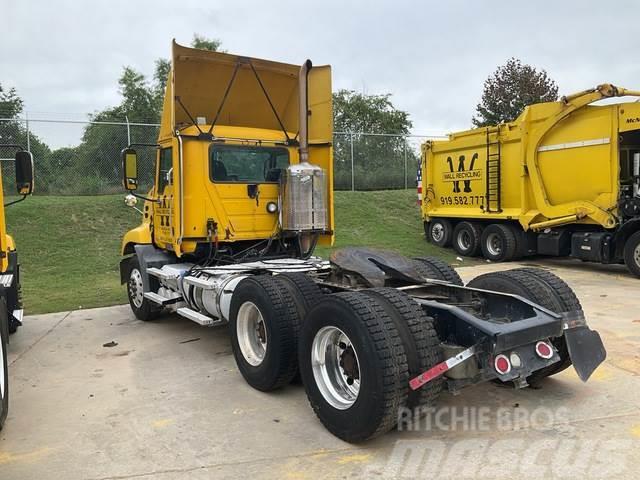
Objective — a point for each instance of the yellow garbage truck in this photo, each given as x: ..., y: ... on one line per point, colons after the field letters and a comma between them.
x: 563, y: 179
x: 10, y: 301
x: 243, y: 193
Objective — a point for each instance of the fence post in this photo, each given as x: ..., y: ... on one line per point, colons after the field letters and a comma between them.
x: 353, y: 183
x: 128, y: 131
x: 405, y: 163
x: 26, y: 122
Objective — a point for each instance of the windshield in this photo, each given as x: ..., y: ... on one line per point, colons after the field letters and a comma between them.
x: 246, y: 164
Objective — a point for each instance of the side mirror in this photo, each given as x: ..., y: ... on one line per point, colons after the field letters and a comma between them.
x: 130, y: 169
x: 24, y: 172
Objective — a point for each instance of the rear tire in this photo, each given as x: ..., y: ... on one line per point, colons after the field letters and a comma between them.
x: 632, y: 254
x: 4, y: 372
x: 264, y: 327
x: 306, y: 294
x: 545, y: 289
x: 420, y: 340
x: 467, y: 238
x: 566, y: 298
x: 431, y: 267
x: 143, y: 308
x: 347, y: 337
x: 499, y: 243
x: 440, y: 232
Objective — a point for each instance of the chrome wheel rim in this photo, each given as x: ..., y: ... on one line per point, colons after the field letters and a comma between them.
x: 136, y: 290
x: 336, y: 369
x: 437, y: 232
x: 251, y: 331
x: 636, y: 255
x: 3, y: 372
x: 464, y: 240
x: 494, y: 244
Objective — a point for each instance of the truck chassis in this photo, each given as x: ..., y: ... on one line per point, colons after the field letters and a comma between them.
x: 370, y: 333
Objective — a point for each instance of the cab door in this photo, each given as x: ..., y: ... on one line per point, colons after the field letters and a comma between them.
x: 163, y: 209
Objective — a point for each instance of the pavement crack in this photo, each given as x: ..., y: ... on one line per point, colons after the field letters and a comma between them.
x: 30, y: 347
x: 225, y: 464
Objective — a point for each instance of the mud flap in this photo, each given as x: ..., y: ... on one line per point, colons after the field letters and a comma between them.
x: 585, y: 346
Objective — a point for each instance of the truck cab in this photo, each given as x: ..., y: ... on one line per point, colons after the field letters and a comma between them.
x: 241, y: 141
x: 10, y: 301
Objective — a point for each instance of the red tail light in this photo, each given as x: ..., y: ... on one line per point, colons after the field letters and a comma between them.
x: 502, y: 364
x: 544, y: 350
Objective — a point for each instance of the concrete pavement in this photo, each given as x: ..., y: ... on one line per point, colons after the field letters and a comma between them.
x: 167, y: 402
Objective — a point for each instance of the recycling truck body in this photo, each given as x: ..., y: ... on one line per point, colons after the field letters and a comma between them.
x: 563, y: 179
x: 243, y: 193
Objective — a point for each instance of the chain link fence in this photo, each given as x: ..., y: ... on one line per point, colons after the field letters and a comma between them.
x: 362, y: 161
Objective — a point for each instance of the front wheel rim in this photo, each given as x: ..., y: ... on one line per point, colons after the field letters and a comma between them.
x: 437, y: 232
x: 636, y: 255
x: 494, y: 244
x: 251, y: 331
x: 136, y: 289
x: 336, y: 369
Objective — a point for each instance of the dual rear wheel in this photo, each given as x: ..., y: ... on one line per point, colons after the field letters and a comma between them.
x: 497, y: 242
x: 355, y: 351
x: 541, y: 287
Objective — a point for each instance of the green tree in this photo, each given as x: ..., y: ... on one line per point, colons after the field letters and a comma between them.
x: 204, y: 43
x: 364, y: 122
x: 355, y: 112
x: 510, y: 89
x: 11, y: 104
x: 141, y: 102
x: 14, y: 131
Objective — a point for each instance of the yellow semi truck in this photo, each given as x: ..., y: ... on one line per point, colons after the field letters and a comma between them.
x: 10, y: 302
x: 243, y: 193
x: 562, y: 179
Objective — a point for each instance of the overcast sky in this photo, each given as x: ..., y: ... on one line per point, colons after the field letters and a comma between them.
x: 65, y: 57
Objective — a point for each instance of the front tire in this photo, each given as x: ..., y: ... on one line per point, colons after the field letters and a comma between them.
x: 632, y: 254
x: 143, y: 308
x: 264, y: 327
x: 353, y: 366
x: 440, y: 232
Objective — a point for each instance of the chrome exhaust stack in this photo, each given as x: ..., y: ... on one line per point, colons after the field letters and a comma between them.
x: 303, y: 102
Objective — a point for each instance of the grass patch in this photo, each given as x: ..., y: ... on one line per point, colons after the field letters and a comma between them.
x: 69, y: 247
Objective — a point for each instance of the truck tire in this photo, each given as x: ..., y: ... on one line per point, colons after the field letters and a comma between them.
x: 143, y: 308
x: 353, y: 366
x: 467, y: 238
x: 264, y: 327
x: 632, y: 254
x: 499, y: 243
x: 306, y: 294
x: 440, y: 232
x: 4, y: 372
x: 421, y: 342
x: 530, y: 283
x: 566, y: 298
x: 432, y: 267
